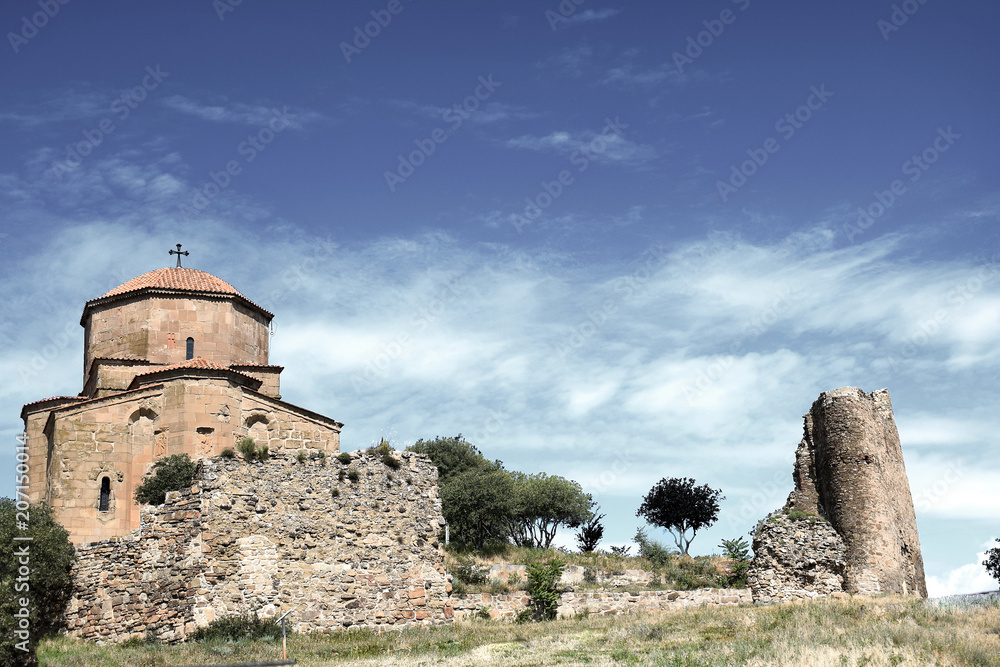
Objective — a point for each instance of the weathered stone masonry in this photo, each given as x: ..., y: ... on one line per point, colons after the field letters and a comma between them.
x: 849, y: 470
x: 272, y: 535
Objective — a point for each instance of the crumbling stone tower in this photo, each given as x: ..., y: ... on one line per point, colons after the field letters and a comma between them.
x: 849, y: 471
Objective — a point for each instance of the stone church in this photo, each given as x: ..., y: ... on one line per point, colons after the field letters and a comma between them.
x: 175, y: 361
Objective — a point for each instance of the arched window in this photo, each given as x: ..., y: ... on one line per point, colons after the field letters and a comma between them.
x: 105, y: 494
x: 190, y: 348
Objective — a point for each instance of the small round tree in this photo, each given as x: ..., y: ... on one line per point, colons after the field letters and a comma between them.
x: 679, y: 506
x: 992, y: 562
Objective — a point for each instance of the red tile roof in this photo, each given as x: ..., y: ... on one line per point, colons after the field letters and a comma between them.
x: 171, y: 279
x: 197, y: 363
x: 55, y: 398
x: 191, y: 280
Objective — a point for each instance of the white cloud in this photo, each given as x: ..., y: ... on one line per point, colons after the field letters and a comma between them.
x: 970, y: 578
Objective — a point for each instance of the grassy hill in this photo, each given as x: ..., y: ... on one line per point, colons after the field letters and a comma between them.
x: 853, y: 632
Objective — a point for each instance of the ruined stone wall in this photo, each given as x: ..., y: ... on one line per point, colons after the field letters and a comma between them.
x: 849, y: 469
x: 796, y: 560
x: 573, y: 603
x: 273, y: 536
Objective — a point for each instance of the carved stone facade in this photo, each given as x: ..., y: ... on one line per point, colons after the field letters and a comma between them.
x: 849, y: 470
x: 176, y: 361
x: 273, y: 536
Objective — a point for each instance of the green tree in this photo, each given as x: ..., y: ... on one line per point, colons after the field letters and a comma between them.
x: 544, y: 502
x: 173, y: 473
x: 590, y: 533
x: 478, y: 506
x: 992, y: 562
x: 452, y: 456
x: 47, y: 556
x: 679, y: 506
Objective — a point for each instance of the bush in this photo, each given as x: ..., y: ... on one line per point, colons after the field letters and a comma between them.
x: 384, y: 451
x: 301, y: 456
x: 353, y: 475
x: 657, y: 554
x: 344, y: 458
x: 228, y: 453
x: 49, y: 585
x: 622, y: 551
x: 468, y: 572
x: 174, y: 473
x: 543, y: 588
x: 236, y: 627
x: 737, y: 551
x: 250, y: 451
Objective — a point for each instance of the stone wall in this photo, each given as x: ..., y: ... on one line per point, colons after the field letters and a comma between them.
x: 599, y: 602
x: 270, y: 537
x: 849, y: 470
x: 796, y: 560
x: 574, y: 574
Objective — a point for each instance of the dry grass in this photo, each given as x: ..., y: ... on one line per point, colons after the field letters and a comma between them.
x: 856, y: 632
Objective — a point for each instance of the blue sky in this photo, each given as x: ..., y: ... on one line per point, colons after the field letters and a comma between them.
x: 609, y: 241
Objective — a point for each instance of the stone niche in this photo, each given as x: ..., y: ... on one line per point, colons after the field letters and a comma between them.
x: 850, y: 515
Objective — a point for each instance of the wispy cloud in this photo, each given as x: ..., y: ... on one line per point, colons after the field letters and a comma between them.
x: 690, y: 352
x: 591, y: 16
x: 487, y: 113
x: 607, y: 148
x: 73, y: 104
x: 240, y: 113
x: 572, y: 61
x: 628, y: 75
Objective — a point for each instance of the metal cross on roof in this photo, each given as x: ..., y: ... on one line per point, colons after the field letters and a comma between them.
x: 179, y: 253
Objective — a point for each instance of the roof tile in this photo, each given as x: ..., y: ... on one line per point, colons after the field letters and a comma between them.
x: 176, y: 278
